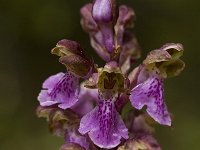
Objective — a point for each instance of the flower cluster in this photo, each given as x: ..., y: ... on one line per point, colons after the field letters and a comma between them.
x: 94, y: 114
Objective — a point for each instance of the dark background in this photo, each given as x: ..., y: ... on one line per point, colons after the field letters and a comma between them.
x: 29, y: 29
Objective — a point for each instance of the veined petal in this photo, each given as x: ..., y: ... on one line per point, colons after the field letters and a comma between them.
x: 150, y: 93
x: 104, y: 125
x: 61, y: 89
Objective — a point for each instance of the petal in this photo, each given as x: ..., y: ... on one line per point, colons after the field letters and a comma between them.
x: 108, y: 39
x: 151, y: 93
x: 60, y: 89
x: 87, y: 99
x: 104, y: 125
x: 98, y: 44
x: 52, y: 81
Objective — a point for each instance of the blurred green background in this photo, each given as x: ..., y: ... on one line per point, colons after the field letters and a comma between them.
x: 30, y: 28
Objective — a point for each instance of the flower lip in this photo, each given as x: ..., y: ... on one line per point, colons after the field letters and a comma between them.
x: 61, y: 89
x: 149, y: 91
x: 104, y: 125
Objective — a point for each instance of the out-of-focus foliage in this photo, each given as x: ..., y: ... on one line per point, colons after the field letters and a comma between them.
x: 29, y: 29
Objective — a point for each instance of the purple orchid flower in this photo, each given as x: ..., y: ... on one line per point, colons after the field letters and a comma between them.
x: 151, y: 93
x: 149, y: 88
x: 103, y: 124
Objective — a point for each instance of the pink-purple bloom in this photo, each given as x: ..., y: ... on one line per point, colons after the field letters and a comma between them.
x: 150, y: 92
x: 93, y: 115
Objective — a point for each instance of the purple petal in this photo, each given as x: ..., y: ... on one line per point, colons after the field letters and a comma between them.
x: 107, y: 33
x: 61, y: 89
x: 104, y: 125
x: 87, y: 99
x: 151, y: 93
x: 97, y: 43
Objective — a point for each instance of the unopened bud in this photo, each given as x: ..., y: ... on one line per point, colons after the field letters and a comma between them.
x: 103, y: 14
x: 102, y: 11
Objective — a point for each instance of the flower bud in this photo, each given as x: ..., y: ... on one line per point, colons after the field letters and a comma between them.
x: 103, y: 14
x: 102, y: 11
x: 72, y: 56
x: 59, y: 119
x: 166, y: 59
x: 96, y: 38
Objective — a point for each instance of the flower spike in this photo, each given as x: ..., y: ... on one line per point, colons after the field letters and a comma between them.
x: 96, y: 113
